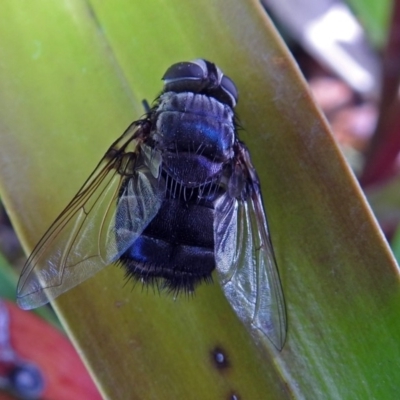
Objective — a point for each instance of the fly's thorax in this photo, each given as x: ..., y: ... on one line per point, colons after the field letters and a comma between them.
x: 195, y: 122
x: 195, y: 134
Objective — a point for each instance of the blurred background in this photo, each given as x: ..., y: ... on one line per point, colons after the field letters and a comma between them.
x: 349, y: 53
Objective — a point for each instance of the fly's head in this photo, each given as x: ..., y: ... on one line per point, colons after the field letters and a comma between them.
x: 203, y: 77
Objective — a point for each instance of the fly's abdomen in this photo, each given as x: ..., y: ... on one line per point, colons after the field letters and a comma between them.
x: 176, y: 249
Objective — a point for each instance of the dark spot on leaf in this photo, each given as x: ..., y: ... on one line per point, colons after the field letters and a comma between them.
x: 220, y: 358
x: 233, y: 396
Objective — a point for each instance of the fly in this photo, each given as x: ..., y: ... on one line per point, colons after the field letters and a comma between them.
x: 175, y: 197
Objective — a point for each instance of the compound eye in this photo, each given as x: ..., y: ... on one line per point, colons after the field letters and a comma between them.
x: 230, y: 89
x: 183, y: 71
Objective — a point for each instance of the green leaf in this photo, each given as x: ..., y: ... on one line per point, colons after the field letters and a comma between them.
x: 7, y: 280
x: 73, y: 75
x: 375, y: 17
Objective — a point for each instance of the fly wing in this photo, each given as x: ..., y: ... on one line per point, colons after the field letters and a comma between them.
x: 244, y: 255
x: 91, y: 232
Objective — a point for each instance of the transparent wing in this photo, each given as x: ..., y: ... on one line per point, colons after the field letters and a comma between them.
x: 245, y: 259
x: 92, y: 231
